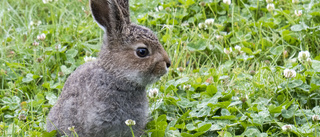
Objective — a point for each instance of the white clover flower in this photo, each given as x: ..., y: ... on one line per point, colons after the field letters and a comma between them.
x: 46, y: 1
x: 303, y: 55
x: 286, y: 128
x: 209, y: 22
x: 237, y: 47
x: 315, y: 118
x: 186, y: 87
x: 71, y: 129
x: 230, y: 49
x: 226, y: 51
x: 228, y: 2
x: 38, y: 23
x: 298, y: 12
x: 269, y: 1
x: 41, y: 36
x: 160, y: 8
x: 295, y: 1
x: 130, y: 122
x: 289, y: 73
x: 87, y: 59
x: 168, y: 26
x: 270, y: 7
x: 309, y: 60
x: 185, y: 24
x: 31, y: 23
x: 219, y: 37
x: 153, y: 93
x: 202, y: 25
x: 35, y: 43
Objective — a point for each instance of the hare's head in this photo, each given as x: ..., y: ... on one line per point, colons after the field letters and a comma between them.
x: 129, y: 51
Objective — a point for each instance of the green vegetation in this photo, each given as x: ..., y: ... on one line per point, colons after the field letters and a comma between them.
x: 241, y: 74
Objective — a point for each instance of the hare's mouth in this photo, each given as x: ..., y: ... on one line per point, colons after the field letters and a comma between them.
x: 159, y: 69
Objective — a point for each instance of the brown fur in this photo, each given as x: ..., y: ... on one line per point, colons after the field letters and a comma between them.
x: 99, y: 96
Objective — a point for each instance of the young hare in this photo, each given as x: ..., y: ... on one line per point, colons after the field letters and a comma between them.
x: 101, y: 95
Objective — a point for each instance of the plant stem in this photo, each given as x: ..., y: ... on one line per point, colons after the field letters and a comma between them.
x: 131, y: 131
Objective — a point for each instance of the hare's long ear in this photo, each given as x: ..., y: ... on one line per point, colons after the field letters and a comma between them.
x: 112, y: 15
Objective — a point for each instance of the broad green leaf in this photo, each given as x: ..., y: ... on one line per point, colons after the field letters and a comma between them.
x: 65, y: 70
x: 205, y: 111
x: 299, y: 27
x: 191, y: 127
x: 49, y: 134
x: 158, y: 133
x: 186, y: 135
x: 204, y: 128
x: 251, y: 132
x: 225, y: 117
x: 225, y: 112
x: 315, y: 80
x: 52, y: 98
x: 287, y: 113
x: 28, y: 78
x: 211, y: 90
x: 277, y: 50
x: 247, y: 50
x: 185, y: 103
x: 316, y: 65
x: 227, y: 134
x: 71, y: 53
x: 197, y: 46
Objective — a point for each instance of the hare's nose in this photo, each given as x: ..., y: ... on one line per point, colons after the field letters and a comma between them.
x: 168, y: 63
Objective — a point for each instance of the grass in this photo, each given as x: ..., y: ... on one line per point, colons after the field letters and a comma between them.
x: 206, y: 92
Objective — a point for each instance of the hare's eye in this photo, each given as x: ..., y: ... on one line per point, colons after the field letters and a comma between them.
x: 142, y: 52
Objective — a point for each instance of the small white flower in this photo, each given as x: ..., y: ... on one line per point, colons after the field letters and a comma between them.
x: 31, y: 23
x: 237, y: 47
x: 209, y: 22
x: 160, y: 8
x: 87, y: 59
x: 168, y: 26
x: 35, y: 43
x: 303, y: 55
x: 298, y: 12
x: 230, y: 49
x: 226, y: 51
x: 309, y: 60
x: 295, y: 1
x: 202, y: 25
x: 269, y: 1
x: 315, y: 118
x: 289, y: 73
x: 219, y: 37
x: 38, y: 23
x: 41, y: 36
x: 130, y: 122
x: 186, y: 87
x: 153, y: 93
x: 45, y: 1
x: 286, y: 128
x: 185, y: 24
x: 270, y: 7
x: 228, y: 2
x: 71, y: 129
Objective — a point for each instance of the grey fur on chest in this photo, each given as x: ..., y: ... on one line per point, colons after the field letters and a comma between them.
x: 101, y: 109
